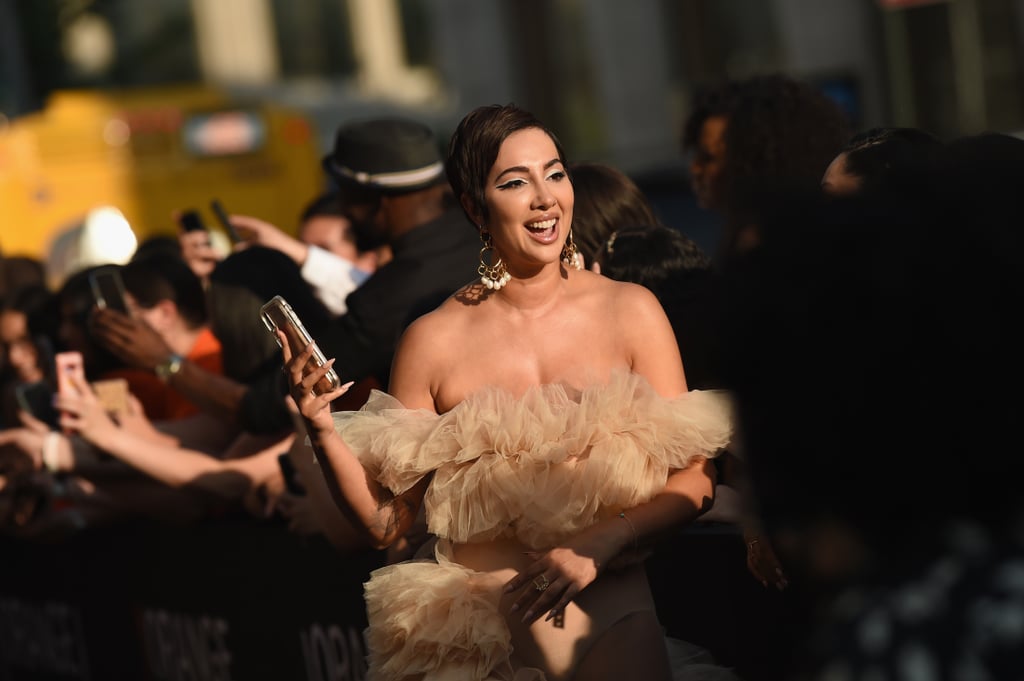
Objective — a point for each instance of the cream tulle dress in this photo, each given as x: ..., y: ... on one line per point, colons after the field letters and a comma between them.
x: 513, y: 474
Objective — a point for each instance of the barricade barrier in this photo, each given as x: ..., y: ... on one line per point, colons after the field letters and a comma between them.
x: 226, y: 600
x: 236, y: 599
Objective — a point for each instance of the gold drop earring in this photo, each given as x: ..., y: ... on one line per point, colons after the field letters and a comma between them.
x: 571, y: 257
x: 494, y: 275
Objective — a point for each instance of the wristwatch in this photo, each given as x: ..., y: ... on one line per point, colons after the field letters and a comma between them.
x: 170, y: 366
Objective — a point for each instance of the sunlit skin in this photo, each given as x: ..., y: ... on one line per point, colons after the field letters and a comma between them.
x: 837, y: 180
x: 16, y: 344
x: 530, y: 199
x: 707, y: 169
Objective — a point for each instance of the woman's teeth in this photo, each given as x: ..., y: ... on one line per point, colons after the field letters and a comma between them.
x: 542, y: 226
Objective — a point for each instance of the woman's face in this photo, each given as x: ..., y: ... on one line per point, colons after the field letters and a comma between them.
x: 707, y: 169
x: 529, y: 198
x: 18, y: 347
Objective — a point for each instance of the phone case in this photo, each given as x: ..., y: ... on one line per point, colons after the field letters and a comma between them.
x: 112, y: 394
x: 108, y: 290
x: 69, y: 366
x: 278, y: 314
x: 222, y: 217
x: 37, y: 399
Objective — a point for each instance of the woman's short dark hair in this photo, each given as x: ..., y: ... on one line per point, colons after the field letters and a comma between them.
x: 474, y: 146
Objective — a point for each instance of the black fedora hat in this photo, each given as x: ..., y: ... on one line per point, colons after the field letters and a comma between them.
x: 392, y: 155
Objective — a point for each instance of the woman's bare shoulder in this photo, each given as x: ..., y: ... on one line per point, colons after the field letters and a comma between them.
x: 440, y: 325
x: 626, y: 297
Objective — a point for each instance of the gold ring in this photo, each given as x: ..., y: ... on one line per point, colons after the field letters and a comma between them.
x: 540, y: 582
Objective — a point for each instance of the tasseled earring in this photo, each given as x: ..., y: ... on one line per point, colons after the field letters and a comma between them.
x: 494, y: 276
x: 571, y: 257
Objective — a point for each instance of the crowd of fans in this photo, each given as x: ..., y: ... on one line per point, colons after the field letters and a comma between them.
x: 860, y: 308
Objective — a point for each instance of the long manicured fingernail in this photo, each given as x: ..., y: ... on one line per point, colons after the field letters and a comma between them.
x: 528, y: 616
x: 515, y: 606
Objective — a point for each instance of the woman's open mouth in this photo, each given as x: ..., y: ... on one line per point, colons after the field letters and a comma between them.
x: 544, y: 230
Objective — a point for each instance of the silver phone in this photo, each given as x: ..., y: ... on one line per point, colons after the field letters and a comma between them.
x: 278, y: 314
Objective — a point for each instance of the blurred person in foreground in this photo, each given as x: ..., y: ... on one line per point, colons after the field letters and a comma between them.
x: 880, y: 415
x: 543, y: 470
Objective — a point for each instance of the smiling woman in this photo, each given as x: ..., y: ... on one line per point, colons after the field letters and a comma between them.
x: 537, y: 466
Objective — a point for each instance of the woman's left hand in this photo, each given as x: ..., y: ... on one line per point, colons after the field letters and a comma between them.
x: 555, y: 577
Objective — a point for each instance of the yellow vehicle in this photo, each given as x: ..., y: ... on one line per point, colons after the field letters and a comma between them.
x: 150, y: 154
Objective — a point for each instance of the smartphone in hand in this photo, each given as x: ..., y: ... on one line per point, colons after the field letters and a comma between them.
x: 36, y: 399
x: 278, y: 314
x: 222, y: 217
x: 113, y: 395
x: 108, y: 290
x: 70, y: 372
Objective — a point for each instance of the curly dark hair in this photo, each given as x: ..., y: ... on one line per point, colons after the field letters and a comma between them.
x: 781, y: 132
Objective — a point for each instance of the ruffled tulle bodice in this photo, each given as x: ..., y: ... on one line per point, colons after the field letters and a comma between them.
x: 540, y: 466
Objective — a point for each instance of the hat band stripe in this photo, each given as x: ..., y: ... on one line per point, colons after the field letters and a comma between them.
x: 405, y: 178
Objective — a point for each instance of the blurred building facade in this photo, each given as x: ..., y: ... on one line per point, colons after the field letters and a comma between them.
x: 614, y: 78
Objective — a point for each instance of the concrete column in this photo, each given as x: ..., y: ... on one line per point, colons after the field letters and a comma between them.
x: 472, y: 45
x: 968, y: 65
x: 626, y: 46
x: 236, y: 41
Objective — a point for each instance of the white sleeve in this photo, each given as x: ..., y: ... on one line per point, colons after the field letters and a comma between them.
x: 332, y: 278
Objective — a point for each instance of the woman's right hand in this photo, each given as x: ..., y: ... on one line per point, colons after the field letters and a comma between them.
x: 315, y: 409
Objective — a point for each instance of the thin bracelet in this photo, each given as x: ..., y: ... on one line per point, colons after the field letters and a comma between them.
x: 622, y: 514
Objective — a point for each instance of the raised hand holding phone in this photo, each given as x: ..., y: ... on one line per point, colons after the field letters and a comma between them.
x: 108, y: 290
x: 222, y: 217
x: 70, y: 372
x: 314, y: 407
x: 278, y: 315
x: 70, y: 375
x: 196, y: 244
